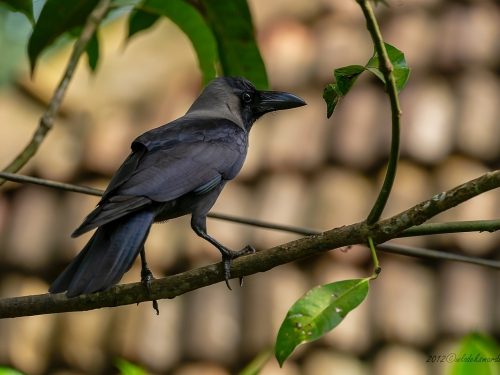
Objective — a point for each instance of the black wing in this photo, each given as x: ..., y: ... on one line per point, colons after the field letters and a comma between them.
x: 170, y: 161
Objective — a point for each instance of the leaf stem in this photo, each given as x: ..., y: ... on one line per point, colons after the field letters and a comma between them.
x: 386, y: 68
x: 376, y: 264
x: 47, y: 120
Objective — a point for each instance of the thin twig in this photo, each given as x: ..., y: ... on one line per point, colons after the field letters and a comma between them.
x: 421, y: 230
x: 390, y: 87
x: 173, y: 286
x: 47, y: 120
x: 420, y: 253
x: 53, y: 184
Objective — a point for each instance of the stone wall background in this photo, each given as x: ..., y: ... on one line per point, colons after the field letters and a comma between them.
x: 302, y: 170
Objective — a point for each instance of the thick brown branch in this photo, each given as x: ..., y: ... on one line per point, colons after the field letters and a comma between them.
x: 47, y: 120
x: 172, y: 286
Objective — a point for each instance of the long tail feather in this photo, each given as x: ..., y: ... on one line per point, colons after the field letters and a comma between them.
x: 107, y: 256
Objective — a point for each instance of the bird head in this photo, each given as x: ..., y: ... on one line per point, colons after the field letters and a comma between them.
x: 238, y: 100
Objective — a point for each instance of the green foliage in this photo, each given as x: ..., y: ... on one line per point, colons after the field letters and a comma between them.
x: 401, y: 71
x: 347, y: 76
x: 9, y: 371
x: 127, y: 368
x: 258, y: 363
x: 189, y: 21
x: 140, y: 20
x: 317, y: 313
x: 332, y: 96
x: 239, y: 54
x: 56, y: 18
x: 23, y: 6
x: 477, y: 355
x: 93, y: 51
x: 226, y: 33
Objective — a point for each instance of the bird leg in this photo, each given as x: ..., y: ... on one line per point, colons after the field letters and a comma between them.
x: 199, y: 226
x: 146, y: 277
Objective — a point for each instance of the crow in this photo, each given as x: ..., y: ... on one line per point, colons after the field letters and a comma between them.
x: 174, y: 170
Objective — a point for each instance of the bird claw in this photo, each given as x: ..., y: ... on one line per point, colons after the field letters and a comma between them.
x: 146, y: 277
x: 227, y: 260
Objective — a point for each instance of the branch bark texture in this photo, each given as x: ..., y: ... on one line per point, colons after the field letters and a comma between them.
x: 173, y: 286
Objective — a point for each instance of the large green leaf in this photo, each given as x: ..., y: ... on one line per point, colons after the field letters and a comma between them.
x: 140, y: 20
x: 239, y: 54
x: 23, y: 6
x: 478, y: 354
x: 401, y: 71
x: 56, y: 18
x: 317, y: 313
x: 189, y: 21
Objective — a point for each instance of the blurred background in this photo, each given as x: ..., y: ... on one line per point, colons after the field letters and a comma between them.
x: 302, y: 170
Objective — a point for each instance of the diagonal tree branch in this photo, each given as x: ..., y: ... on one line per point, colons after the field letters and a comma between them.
x: 421, y: 230
x: 173, y: 286
x: 47, y: 120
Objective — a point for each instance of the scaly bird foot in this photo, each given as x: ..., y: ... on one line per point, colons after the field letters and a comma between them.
x: 227, y: 260
x: 146, y: 277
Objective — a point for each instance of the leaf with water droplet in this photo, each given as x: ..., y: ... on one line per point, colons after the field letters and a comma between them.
x: 324, y: 308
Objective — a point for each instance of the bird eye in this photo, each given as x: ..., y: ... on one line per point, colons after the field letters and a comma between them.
x: 247, y: 97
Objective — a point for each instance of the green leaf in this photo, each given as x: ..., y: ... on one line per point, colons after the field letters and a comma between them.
x: 258, y: 363
x: 189, y: 21
x: 23, y: 6
x: 9, y: 371
x: 317, y: 313
x: 93, y: 51
x: 56, y: 18
x: 401, y: 71
x: 140, y: 20
x: 478, y: 354
x: 127, y: 368
x: 231, y: 23
x: 332, y: 96
x: 347, y: 76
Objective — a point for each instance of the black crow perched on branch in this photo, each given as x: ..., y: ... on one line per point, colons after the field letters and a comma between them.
x: 177, y: 169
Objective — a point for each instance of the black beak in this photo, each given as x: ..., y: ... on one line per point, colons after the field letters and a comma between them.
x: 277, y: 101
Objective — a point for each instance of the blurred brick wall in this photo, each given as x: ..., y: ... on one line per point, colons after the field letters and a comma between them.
x: 302, y: 169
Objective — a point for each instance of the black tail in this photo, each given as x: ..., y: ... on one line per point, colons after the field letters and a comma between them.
x: 107, y: 256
